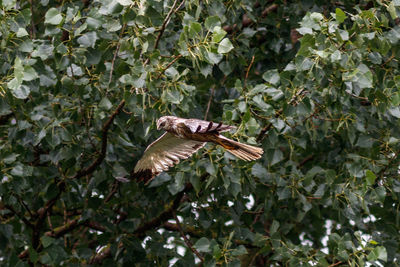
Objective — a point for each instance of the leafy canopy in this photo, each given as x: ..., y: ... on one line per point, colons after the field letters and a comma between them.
x: 83, y: 82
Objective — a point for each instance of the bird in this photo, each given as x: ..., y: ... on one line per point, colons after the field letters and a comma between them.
x: 182, y: 138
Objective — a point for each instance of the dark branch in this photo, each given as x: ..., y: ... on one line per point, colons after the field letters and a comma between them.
x: 248, y: 70
x: 103, y: 151
x: 293, y: 101
x: 160, y: 219
x: 187, y: 229
x: 66, y: 228
x: 209, y: 103
x: 187, y: 241
x: 269, y: 9
x: 26, y: 222
x: 305, y: 160
x: 116, y: 53
x: 169, y: 65
x: 166, y: 21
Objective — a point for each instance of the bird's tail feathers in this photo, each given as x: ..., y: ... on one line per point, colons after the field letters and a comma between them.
x: 240, y: 150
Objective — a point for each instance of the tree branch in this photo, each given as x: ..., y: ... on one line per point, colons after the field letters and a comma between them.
x: 26, y: 222
x: 269, y: 9
x: 278, y: 113
x: 305, y: 160
x: 248, y: 70
x: 166, y: 21
x: 62, y: 230
x: 116, y: 53
x: 164, y: 216
x: 209, y: 103
x: 103, y: 151
x: 169, y: 65
x: 187, y: 229
x: 42, y: 212
x: 187, y: 241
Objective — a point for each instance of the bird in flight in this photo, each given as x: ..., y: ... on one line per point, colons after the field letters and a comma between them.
x: 182, y: 138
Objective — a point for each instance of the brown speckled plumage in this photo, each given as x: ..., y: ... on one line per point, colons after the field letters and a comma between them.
x: 182, y: 138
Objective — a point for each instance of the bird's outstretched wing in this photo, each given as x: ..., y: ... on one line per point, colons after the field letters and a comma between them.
x: 201, y: 126
x: 163, y: 153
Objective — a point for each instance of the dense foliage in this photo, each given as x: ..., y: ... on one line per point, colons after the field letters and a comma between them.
x: 315, y: 83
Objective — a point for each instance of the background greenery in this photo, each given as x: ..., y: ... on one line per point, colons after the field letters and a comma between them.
x: 83, y: 82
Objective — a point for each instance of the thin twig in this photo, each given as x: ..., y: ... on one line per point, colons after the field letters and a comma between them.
x: 335, y: 264
x: 209, y: 103
x: 33, y: 29
x: 256, y: 218
x: 24, y: 205
x: 116, y: 53
x: 27, y: 223
x: 154, y: 223
x: 166, y: 20
x: 305, y: 160
x: 278, y: 113
x: 269, y: 9
x: 103, y: 151
x: 169, y: 65
x: 112, y: 192
x: 248, y: 70
x: 187, y: 241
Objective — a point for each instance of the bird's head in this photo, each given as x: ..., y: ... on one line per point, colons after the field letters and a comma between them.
x: 164, y: 122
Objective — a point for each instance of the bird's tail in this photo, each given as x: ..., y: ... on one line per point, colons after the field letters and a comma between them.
x: 240, y: 150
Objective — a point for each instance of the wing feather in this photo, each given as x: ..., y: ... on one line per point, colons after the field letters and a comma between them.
x: 162, y: 154
x: 201, y: 126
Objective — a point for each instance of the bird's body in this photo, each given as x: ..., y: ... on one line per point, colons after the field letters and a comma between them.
x: 182, y: 138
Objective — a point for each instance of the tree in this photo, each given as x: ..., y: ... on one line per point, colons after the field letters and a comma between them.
x: 83, y: 83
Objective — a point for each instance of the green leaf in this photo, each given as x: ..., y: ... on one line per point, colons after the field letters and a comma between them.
x: 241, y: 250
x: 214, y: 58
x: 29, y: 74
x: 340, y: 15
x: 272, y: 76
x: 173, y: 97
x: 218, y: 34
x: 378, y: 253
x: 371, y: 177
x: 392, y: 10
x: 9, y: 4
x: 125, y: 2
x: 22, y: 32
x: 395, y: 112
x: 194, y: 29
x: 88, y: 39
x: 105, y: 104
x: 203, y: 245
x: 19, y: 91
x: 225, y: 46
x: 53, y: 16
x: 225, y: 67
x: 259, y: 171
x: 10, y: 158
x: 277, y: 156
x: 47, y: 241
x: 258, y: 100
x: 22, y: 170
x: 212, y: 22
x: 274, y: 227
